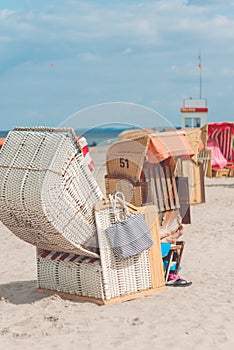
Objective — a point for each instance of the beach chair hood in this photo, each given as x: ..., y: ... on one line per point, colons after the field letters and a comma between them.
x: 223, y: 134
x: 47, y: 190
x: 127, y: 156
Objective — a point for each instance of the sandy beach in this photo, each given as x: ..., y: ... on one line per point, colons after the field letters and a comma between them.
x: 197, y: 317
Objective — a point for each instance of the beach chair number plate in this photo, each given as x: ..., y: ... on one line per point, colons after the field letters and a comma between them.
x: 123, y: 163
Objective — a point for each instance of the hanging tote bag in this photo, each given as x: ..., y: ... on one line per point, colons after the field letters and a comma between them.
x: 130, y: 235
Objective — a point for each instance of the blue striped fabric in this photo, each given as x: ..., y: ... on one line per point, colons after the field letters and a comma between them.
x: 129, y: 237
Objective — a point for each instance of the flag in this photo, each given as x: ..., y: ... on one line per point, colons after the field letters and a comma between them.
x: 199, y: 61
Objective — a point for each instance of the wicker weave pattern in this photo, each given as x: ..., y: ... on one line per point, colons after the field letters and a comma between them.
x: 70, y: 273
x: 135, y: 193
x: 134, y: 152
x: 106, y: 279
x: 194, y: 136
x: 47, y: 192
x: 120, y: 277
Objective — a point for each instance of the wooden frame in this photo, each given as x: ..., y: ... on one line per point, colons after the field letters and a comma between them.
x: 112, y: 301
x: 220, y: 172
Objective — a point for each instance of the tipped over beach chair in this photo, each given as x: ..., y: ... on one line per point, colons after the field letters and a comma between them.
x: 49, y: 198
x: 47, y: 192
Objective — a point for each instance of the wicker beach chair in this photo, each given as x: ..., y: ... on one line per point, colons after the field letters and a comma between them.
x: 143, y: 168
x: 49, y: 198
x: 47, y: 192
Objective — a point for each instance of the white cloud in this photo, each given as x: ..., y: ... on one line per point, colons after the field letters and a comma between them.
x: 5, y: 14
x: 227, y: 72
x: 89, y: 57
x: 127, y: 51
x: 5, y: 38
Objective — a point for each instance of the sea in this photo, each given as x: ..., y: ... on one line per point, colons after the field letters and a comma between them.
x: 100, y: 136
x: 97, y: 136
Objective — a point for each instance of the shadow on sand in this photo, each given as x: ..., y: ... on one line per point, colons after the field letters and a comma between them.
x: 221, y: 185
x: 21, y: 292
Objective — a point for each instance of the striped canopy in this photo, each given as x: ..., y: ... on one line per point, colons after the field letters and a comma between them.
x: 223, y: 134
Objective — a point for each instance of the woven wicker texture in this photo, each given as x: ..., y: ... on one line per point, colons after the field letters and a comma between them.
x: 135, y: 133
x: 69, y: 273
x: 47, y: 191
x: 135, y: 193
x: 204, y: 134
x: 194, y: 137
x: 120, y: 277
x: 107, y: 278
x: 126, y: 157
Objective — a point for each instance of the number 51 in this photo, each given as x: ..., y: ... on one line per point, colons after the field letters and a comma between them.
x: 123, y: 163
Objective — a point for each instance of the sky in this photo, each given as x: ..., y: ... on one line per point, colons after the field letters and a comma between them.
x: 60, y: 57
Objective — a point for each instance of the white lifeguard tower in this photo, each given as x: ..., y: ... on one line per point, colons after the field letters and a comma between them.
x: 194, y: 113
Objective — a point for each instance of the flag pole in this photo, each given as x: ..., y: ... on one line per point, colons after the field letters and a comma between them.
x: 200, y: 73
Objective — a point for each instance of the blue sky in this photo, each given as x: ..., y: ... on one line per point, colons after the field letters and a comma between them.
x: 59, y: 57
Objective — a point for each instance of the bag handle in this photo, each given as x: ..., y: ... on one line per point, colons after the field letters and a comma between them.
x: 118, y: 197
x: 121, y: 199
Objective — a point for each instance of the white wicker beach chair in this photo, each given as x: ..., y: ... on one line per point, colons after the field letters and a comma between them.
x: 47, y: 191
x: 49, y: 198
x: 104, y: 280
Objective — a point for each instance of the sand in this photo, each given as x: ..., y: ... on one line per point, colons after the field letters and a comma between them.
x: 197, y: 317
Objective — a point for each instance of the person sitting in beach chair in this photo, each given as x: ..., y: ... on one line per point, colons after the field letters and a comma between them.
x: 171, y: 230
